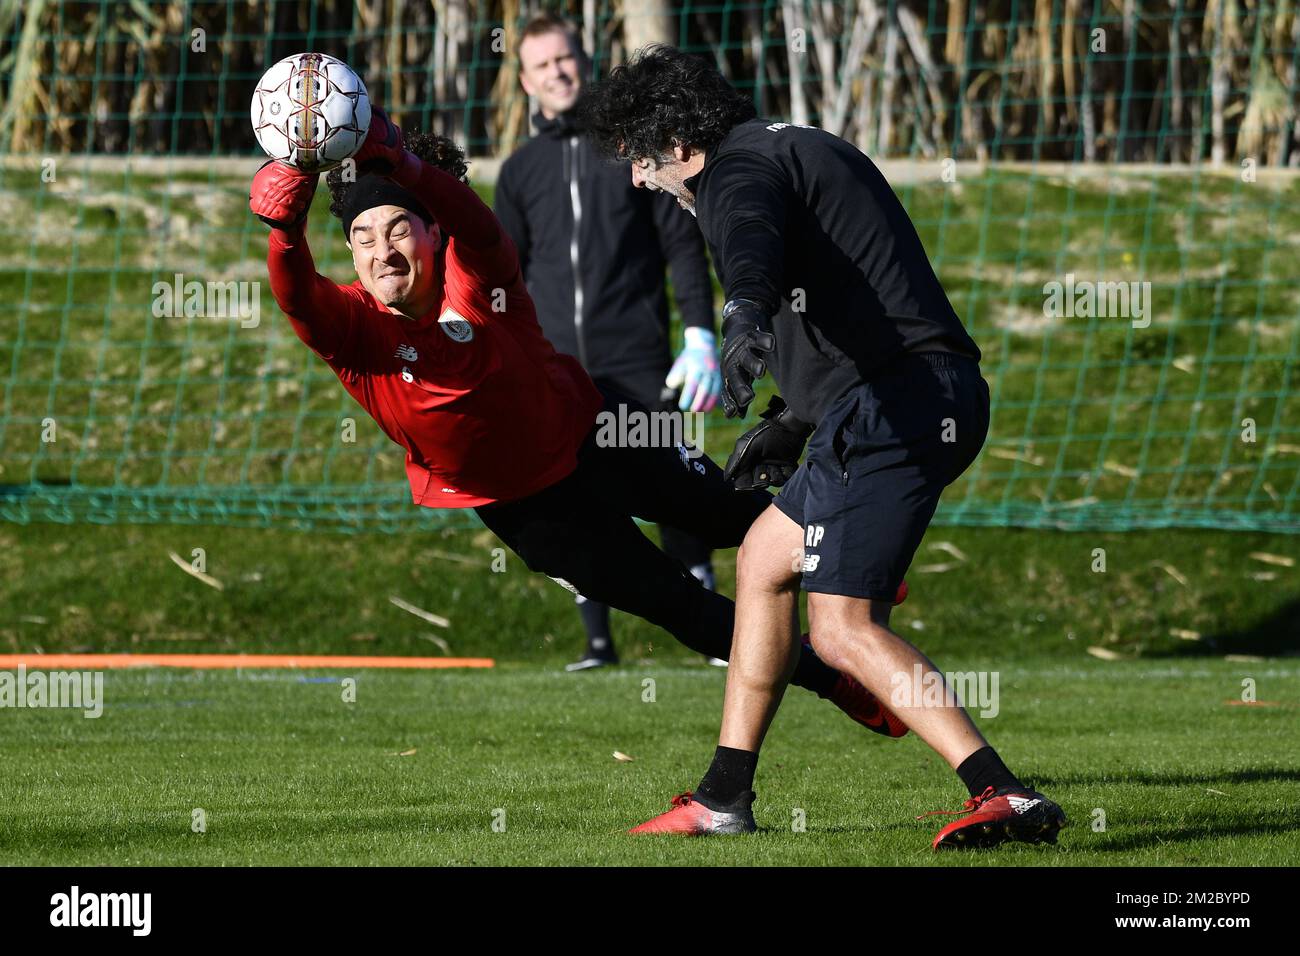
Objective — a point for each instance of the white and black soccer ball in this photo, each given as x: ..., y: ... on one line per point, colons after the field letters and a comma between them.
x: 310, y: 110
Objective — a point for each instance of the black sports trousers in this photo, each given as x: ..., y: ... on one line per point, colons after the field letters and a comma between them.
x: 646, y: 385
x: 581, y: 531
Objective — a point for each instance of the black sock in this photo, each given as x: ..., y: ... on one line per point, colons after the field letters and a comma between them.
x: 814, y: 674
x: 729, y: 778
x: 595, y: 618
x: 984, y: 769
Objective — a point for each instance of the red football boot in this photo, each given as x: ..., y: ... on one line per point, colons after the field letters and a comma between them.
x: 859, y: 703
x: 690, y: 818
x: 1012, y: 813
x: 864, y: 707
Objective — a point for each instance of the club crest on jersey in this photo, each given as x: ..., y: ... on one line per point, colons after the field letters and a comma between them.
x: 406, y: 353
x: 456, y: 326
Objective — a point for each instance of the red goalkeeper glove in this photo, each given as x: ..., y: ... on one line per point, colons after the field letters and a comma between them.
x: 382, y: 151
x: 281, y: 194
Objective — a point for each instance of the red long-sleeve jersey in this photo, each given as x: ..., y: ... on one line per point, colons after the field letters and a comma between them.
x: 486, y: 409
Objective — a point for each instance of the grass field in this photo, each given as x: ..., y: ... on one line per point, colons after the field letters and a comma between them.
x: 286, y: 772
x: 1018, y: 594
x: 417, y: 770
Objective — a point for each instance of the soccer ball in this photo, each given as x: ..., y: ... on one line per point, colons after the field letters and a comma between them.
x: 311, y: 111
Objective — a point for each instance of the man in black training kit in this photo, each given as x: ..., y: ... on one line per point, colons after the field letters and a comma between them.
x: 593, y: 251
x: 873, y: 364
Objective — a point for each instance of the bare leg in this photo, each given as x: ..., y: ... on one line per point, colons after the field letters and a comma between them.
x: 765, y: 644
x: 853, y: 635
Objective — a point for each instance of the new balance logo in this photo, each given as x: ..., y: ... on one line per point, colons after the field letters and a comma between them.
x: 811, y: 539
x: 1023, y: 804
x: 406, y: 353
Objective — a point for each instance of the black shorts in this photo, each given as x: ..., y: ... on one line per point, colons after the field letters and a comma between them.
x: 876, y: 466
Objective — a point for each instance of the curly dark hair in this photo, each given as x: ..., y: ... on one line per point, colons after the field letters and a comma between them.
x: 436, y: 150
x: 660, y: 97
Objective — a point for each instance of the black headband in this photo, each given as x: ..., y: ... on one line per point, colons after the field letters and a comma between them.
x: 370, y: 191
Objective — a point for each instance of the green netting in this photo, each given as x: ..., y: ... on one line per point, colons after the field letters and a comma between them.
x: 1030, y: 142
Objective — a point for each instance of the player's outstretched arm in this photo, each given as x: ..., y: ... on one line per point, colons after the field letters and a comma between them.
x: 319, y: 310
x: 478, y: 241
x: 746, y: 197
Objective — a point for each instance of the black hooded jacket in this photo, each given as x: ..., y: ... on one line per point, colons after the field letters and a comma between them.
x: 599, y: 287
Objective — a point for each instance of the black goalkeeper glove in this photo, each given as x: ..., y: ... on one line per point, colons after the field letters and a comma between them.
x: 768, y: 454
x: 747, y: 341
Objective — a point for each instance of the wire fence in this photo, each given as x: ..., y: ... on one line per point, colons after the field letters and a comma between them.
x: 1107, y: 192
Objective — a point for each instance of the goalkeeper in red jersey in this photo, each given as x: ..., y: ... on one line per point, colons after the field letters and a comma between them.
x: 439, y: 342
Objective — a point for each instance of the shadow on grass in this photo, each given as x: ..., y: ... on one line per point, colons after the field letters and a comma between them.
x: 1176, y: 778
x: 1276, y: 635
x: 1211, y: 828
x: 148, y: 830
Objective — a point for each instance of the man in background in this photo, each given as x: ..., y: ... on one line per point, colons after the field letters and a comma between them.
x: 593, y: 250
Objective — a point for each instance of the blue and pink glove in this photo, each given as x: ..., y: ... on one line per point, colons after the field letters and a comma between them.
x: 696, y: 372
